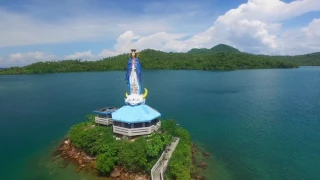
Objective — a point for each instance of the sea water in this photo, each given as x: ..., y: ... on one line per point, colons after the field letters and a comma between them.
x: 256, y: 124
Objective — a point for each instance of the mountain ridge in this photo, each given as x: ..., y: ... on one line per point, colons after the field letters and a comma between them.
x: 220, y: 48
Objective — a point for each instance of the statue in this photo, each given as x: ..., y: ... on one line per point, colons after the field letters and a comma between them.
x: 133, y: 78
x: 133, y: 75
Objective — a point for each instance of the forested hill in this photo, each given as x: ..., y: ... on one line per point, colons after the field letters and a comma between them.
x: 312, y: 59
x: 152, y: 59
x: 221, y: 48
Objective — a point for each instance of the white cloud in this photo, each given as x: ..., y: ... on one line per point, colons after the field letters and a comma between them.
x: 87, y: 55
x: 85, y: 24
x: 252, y: 35
x: 108, y: 53
x: 129, y: 40
x: 19, y: 59
x: 313, y: 29
x: 255, y: 27
x: 252, y: 27
x: 304, y: 40
x: 269, y: 10
x: 34, y: 55
x: 18, y: 29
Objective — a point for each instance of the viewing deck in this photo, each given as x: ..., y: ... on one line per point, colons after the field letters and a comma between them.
x: 103, y: 121
x: 136, y: 131
x: 104, y: 115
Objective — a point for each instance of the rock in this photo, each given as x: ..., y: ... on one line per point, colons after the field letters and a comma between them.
x: 115, y: 173
x: 67, y: 142
x: 203, y: 164
x: 93, y: 165
x: 79, y: 168
x: 206, y: 154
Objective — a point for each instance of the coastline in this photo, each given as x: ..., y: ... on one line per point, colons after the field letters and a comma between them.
x: 85, y: 163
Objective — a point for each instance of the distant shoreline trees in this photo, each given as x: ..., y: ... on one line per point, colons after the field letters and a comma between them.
x: 221, y: 58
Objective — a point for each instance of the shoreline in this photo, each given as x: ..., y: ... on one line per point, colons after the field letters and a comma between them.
x: 85, y: 163
x: 155, y: 69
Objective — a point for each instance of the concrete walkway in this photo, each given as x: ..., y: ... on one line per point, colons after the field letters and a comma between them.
x: 160, y: 167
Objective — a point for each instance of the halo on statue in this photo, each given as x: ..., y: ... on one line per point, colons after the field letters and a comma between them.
x: 134, y: 51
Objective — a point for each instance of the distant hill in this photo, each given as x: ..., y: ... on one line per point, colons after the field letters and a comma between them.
x: 220, y: 57
x: 221, y: 48
x: 312, y: 59
x: 152, y: 59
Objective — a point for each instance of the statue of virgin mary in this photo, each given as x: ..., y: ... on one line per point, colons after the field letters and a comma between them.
x: 133, y: 75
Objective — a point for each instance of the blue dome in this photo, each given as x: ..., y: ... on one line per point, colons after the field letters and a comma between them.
x: 135, y: 114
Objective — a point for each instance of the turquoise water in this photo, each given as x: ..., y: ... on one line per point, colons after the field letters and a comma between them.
x: 257, y: 124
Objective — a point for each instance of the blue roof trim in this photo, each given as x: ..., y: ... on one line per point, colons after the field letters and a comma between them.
x: 105, y: 111
x: 135, y: 114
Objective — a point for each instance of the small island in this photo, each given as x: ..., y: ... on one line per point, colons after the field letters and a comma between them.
x: 96, y: 147
x: 131, y: 142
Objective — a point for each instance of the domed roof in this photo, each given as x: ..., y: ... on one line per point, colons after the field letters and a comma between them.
x: 135, y: 114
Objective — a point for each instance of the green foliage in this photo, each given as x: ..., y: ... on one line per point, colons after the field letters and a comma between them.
x: 105, y: 162
x: 133, y: 155
x: 91, y: 119
x: 221, y: 48
x: 139, y: 155
x: 312, y: 59
x: 169, y: 126
x: 157, y: 143
x: 155, y: 146
x: 89, y: 138
x: 180, y: 165
x: 221, y: 57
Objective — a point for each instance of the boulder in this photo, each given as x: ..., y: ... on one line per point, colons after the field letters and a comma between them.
x: 203, y: 164
x: 206, y: 154
x: 115, y: 173
x: 93, y: 165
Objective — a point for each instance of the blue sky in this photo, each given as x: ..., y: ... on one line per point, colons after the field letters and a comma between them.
x: 40, y: 30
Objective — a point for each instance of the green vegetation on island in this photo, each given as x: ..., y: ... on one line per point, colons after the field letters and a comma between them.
x: 221, y: 57
x: 138, y: 155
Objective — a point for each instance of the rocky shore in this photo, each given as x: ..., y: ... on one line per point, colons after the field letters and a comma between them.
x: 84, y: 162
x: 199, y: 161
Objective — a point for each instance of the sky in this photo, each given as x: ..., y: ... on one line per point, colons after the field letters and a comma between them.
x: 43, y: 30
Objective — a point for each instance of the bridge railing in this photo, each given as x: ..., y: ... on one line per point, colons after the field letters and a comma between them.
x: 165, y: 164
